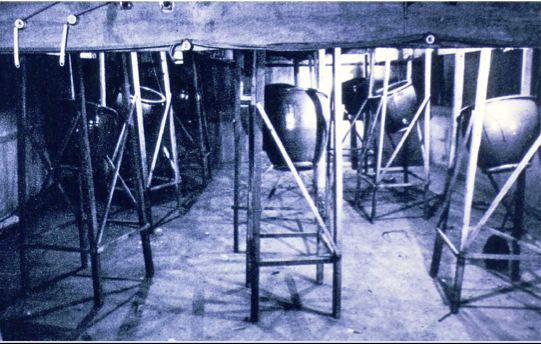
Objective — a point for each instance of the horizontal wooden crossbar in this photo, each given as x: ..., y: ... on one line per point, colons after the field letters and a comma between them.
x: 299, y: 261
x: 287, y: 235
x: 60, y: 248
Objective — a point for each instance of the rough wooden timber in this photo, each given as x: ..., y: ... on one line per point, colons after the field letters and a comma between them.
x: 272, y: 25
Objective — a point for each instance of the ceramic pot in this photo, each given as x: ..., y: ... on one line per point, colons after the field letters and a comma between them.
x: 301, y: 119
x: 510, y: 127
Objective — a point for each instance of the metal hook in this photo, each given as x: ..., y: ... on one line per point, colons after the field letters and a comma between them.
x: 430, y: 39
x: 72, y: 20
x: 18, y: 25
x: 167, y: 6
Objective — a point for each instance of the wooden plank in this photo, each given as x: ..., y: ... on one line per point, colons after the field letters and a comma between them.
x: 298, y: 261
x: 239, y: 64
x: 338, y: 194
x: 255, y: 186
x: 526, y: 72
x: 279, y: 25
x: 478, y: 116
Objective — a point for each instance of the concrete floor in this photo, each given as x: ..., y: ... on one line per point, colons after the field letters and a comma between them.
x: 198, y: 290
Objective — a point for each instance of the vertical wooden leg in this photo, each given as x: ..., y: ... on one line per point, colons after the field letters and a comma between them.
x: 251, y: 159
x: 81, y: 224
x: 320, y: 175
x: 354, y: 147
x: 459, y: 278
x: 174, y: 152
x: 428, y: 84
x: 320, y: 268
x: 518, y: 217
x: 172, y: 129
x: 139, y: 161
x: 381, y: 136
x: 239, y: 63
x: 21, y: 182
x: 260, y: 57
x: 373, y: 213
x: 88, y: 187
x: 438, y: 248
x: 405, y: 164
x: 337, y: 288
x: 338, y: 196
x: 321, y: 202
x: 236, y: 187
x: 205, y: 166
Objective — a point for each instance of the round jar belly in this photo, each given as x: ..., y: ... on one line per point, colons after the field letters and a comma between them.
x: 301, y: 119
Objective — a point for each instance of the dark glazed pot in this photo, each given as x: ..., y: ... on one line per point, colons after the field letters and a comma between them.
x: 301, y: 119
x: 153, y: 103
x: 354, y: 93
x: 401, y: 105
x: 510, y: 127
x: 102, y: 131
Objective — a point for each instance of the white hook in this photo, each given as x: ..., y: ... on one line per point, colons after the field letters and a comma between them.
x: 167, y: 6
x: 18, y: 25
x: 430, y: 39
x: 72, y: 20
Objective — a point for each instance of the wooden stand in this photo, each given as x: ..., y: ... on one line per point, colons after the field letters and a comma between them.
x: 329, y: 222
x: 376, y: 179
x: 469, y: 232
x: 87, y: 209
x: 198, y: 139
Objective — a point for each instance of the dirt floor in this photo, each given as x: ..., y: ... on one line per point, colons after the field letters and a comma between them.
x: 198, y: 291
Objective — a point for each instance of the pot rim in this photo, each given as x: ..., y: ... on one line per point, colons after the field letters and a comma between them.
x: 291, y: 88
x: 402, y: 85
x: 91, y: 103
x: 498, y: 99
x: 150, y: 101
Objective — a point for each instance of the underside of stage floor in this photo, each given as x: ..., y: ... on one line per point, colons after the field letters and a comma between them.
x: 198, y: 291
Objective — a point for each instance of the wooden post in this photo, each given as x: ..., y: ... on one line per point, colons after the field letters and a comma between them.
x: 239, y: 63
x: 22, y: 191
x: 140, y: 166
x: 251, y: 159
x: 518, y: 219
x: 296, y: 71
x: 460, y: 58
x: 428, y: 84
x: 457, y: 107
x: 320, y: 171
x: 383, y: 118
x: 338, y: 196
x: 88, y: 186
x: 198, y: 95
x: 409, y: 67
x: 172, y: 130
x: 103, y: 82
x: 255, y: 209
x: 526, y: 72
x: 478, y: 116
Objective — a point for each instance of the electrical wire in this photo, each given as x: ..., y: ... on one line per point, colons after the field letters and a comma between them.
x: 41, y: 10
x: 92, y: 9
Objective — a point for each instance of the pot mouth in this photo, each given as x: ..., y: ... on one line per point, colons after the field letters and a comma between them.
x: 499, y: 99
x: 92, y: 104
x: 291, y: 88
x: 150, y: 96
x: 393, y: 88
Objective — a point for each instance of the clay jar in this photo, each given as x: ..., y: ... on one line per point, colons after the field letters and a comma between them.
x: 301, y: 119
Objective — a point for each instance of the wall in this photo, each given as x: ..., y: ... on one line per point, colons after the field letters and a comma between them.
x: 9, y: 110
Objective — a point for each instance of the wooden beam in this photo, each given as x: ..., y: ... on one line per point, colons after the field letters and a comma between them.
x: 526, y: 72
x: 478, y: 116
x: 338, y: 195
x: 287, y: 25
